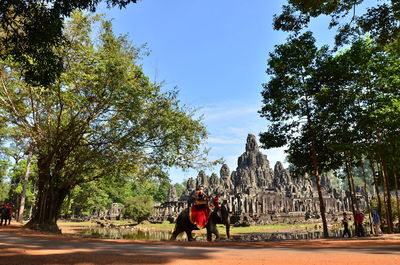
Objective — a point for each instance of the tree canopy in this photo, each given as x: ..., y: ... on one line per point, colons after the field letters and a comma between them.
x: 31, y: 30
x: 381, y: 21
x: 101, y: 118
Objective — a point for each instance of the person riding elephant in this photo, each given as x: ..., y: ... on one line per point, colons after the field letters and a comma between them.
x: 185, y: 224
x: 198, y: 197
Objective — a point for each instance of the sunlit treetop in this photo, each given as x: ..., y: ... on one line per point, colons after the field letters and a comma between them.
x: 30, y: 30
x: 381, y: 21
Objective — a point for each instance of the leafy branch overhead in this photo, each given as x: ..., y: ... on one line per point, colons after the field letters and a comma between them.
x: 31, y: 31
x: 381, y: 21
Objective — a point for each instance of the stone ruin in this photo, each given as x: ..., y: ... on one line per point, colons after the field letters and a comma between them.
x: 114, y: 212
x: 256, y: 194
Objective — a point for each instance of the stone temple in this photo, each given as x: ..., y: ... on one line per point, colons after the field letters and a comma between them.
x: 257, y: 194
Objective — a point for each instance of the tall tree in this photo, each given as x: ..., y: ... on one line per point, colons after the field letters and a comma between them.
x: 289, y: 102
x: 360, y: 101
x: 101, y: 118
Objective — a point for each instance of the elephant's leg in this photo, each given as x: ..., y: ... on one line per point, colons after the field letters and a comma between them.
x: 213, y: 230
x: 176, y: 232
x: 217, y: 236
x: 189, y: 235
x: 209, y: 234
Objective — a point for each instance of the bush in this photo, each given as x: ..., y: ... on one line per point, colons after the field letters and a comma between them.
x: 139, y: 208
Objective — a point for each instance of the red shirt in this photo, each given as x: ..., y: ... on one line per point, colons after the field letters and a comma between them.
x: 359, y: 218
x: 216, y: 202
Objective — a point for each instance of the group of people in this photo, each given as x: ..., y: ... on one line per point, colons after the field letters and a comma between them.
x: 6, y: 213
x: 358, y: 223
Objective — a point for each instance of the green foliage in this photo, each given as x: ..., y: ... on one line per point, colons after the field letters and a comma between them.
x: 139, y: 208
x: 180, y: 188
x: 381, y: 21
x: 16, y: 174
x: 31, y: 31
x: 99, y: 195
x: 4, y: 190
x: 86, y: 198
x: 290, y: 102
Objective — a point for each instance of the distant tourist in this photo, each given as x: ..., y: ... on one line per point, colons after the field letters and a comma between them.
x: 345, y: 223
x: 377, y: 222
x: 358, y: 221
x: 5, y: 214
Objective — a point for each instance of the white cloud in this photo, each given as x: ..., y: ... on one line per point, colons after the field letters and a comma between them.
x: 229, y: 111
x: 223, y: 140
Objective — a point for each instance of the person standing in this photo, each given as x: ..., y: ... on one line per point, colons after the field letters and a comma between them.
x: 345, y: 223
x: 359, y: 218
x: 377, y: 222
x: 5, y: 214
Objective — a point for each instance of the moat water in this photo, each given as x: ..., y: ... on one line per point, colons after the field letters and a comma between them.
x: 154, y: 235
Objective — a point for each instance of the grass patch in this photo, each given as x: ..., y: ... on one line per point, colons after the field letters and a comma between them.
x: 166, y: 226
x: 73, y: 224
x: 272, y: 228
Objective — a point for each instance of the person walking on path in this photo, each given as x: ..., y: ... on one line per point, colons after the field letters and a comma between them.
x: 377, y: 222
x: 345, y: 223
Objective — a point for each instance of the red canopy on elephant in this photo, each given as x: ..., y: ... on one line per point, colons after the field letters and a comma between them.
x: 199, y: 215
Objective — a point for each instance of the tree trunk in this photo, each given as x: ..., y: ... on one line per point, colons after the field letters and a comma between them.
x: 318, y: 182
x: 366, y: 195
x: 376, y: 186
x: 350, y: 183
x: 47, y: 211
x: 20, y: 217
x: 397, y: 195
x: 51, y: 194
x: 30, y: 212
x: 387, y: 195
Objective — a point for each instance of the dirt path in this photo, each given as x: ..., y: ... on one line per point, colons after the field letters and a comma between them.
x: 21, y: 246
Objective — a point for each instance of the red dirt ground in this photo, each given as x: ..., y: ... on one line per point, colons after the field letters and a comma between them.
x: 23, y: 246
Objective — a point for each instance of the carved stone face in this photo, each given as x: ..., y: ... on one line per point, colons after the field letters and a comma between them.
x: 251, y: 144
x: 224, y: 173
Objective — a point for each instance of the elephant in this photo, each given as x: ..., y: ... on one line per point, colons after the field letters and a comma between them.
x: 183, y: 224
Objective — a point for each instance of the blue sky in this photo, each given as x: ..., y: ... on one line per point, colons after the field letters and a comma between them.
x: 215, y: 52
